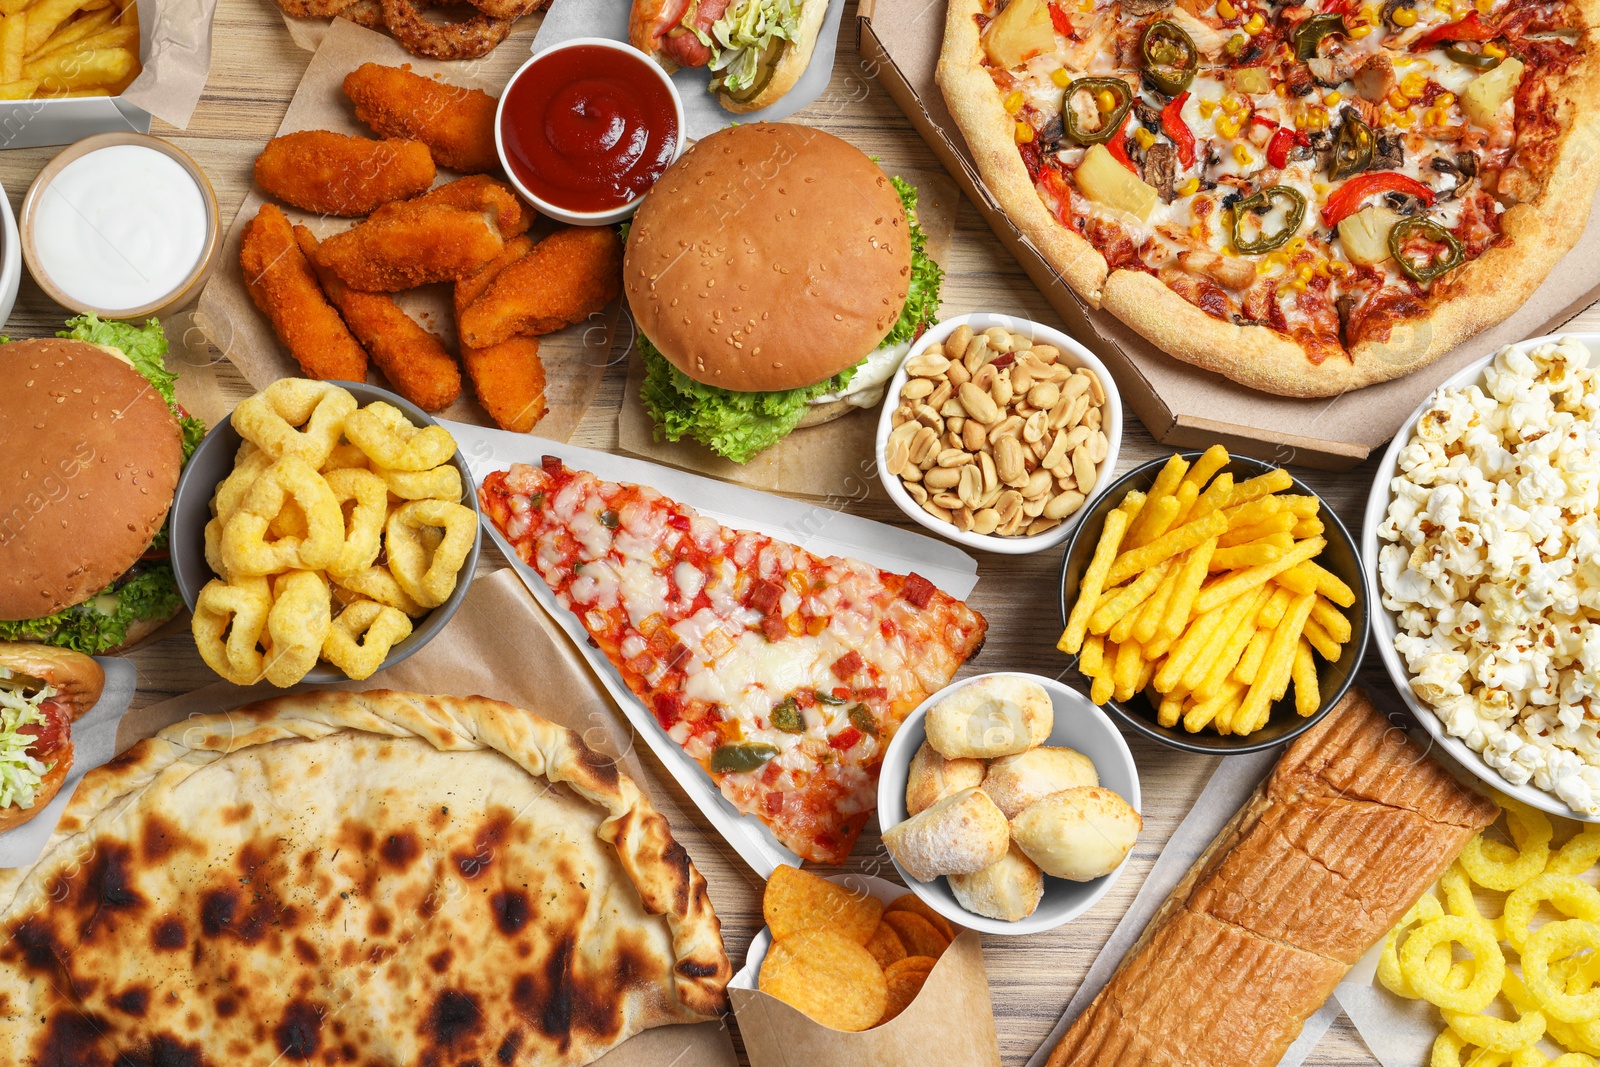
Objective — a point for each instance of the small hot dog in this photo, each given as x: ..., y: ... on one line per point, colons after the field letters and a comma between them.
x: 43, y: 691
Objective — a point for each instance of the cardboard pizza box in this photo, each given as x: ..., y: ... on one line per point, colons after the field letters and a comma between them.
x: 1181, y: 405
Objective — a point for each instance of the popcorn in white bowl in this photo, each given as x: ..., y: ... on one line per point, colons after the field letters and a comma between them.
x: 1490, y: 562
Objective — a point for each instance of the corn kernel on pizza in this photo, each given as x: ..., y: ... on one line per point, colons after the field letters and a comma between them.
x: 1305, y: 197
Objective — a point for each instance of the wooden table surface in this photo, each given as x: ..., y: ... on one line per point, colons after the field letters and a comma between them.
x: 255, y: 69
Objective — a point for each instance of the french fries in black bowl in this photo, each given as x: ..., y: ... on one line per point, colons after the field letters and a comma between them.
x: 1214, y: 603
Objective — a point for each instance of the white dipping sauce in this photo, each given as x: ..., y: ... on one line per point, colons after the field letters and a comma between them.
x: 120, y: 228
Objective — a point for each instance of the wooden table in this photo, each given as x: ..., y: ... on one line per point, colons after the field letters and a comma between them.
x: 255, y: 68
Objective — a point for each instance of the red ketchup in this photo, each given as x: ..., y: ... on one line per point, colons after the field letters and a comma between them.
x: 588, y: 128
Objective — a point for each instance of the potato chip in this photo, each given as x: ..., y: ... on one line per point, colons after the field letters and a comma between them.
x: 798, y: 900
x: 885, y: 945
x: 910, y: 963
x: 913, y: 903
x: 829, y: 977
x: 902, y: 990
x: 920, y: 937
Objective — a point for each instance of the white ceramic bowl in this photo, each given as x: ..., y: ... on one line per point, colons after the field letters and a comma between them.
x: 1383, y: 620
x: 10, y: 258
x: 556, y: 211
x: 1073, y: 354
x: 1079, y: 725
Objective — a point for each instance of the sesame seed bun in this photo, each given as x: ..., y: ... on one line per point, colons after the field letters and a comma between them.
x: 771, y: 256
x: 95, y: 453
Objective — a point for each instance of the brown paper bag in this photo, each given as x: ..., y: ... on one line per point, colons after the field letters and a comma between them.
x: 574, y: 359
x: 834, y: 460
x: 502, y: 645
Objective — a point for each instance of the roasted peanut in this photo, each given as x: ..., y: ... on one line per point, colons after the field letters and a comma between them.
x: 1064, y: 503
x: 972, y: 435
x: 916, y: 389
x: 979, y: 404
x: 955, y: 346
x: 1008, y: 460
x: 954, y: 456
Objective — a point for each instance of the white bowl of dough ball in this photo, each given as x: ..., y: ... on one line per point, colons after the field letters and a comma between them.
x: 1009, y: 803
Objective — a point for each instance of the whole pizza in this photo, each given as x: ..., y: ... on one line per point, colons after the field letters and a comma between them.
x: 1307, y: 198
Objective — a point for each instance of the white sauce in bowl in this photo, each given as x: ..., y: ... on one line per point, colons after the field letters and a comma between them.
x: 120, y: 228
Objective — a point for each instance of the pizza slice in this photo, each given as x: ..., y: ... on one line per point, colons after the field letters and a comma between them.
x: 782, y: 673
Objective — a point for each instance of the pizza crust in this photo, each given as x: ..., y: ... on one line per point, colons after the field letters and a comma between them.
x: 1481, y: 294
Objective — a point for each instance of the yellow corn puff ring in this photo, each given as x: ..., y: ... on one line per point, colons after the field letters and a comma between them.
x: 1448, y: 1047
x: 1532, y: 1057
x: 245, y: 549
x: 298, y: 625
x: 229, y: 620
x: 389, y: 439
x: 1495, y: 865
x: 429, y: 581
x: 377, y: 583
x: 1555, y: 940
x: 363, y: 530
x: 295, y: 417
x: 362, y: 636
x: 436, y: 483
x: 1578, y: 854
x: 1571, y: 897
x: 1496, y: 1035
x: 1488, y: 971
x: 1427, y: 907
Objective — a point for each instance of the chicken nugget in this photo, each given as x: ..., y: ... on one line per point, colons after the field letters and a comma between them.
x: 414, y: 360
x: 456, y: 123
x: 508, y: 377
x: 337, y: 174
x: 476, y: 193
x: 412, y: 246
x: 567, y: 277
x: 283, y: 286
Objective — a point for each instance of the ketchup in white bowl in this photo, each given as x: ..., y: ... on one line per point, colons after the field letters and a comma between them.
x: 587, y: 127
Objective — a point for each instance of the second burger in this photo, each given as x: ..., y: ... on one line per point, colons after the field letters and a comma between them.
x: 778, y: 278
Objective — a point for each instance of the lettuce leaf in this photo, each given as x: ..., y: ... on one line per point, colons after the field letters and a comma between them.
x: 738, y: 425
x: 747, y: 30
x: 146, y: 347
x: 152, y: 593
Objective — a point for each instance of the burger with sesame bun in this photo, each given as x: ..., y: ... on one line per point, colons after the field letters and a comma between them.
x: 778, y: 279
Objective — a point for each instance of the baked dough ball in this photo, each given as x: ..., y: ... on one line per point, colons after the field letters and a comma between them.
x: 1008, y: 890
x: 933, y: 778
x: 958, y: 835
x: 1014, y: 782
x: 995, y: 716
x: 1080, y: 834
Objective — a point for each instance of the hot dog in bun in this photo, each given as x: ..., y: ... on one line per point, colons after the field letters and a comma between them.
x: 756, y: 49
x: 43, y: 691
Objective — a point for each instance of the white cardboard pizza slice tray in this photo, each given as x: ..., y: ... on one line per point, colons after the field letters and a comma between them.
x: 816, y: 527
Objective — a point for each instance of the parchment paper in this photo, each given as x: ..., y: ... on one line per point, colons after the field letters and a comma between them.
x: 94, y: 742
x: 176, y: 58
x: 501, y: 645
x: 308, y: 34
x: 574, y: 359
x: 1236, y: 777
x: 833, y: 460
x: 702, y: 114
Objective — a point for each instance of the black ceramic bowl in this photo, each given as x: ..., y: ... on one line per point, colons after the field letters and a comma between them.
x: 213, y: 461
x: 1285, y: 723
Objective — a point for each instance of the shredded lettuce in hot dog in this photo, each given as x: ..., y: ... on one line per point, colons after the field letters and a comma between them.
x: 20, y: 774
x: 744, y: 33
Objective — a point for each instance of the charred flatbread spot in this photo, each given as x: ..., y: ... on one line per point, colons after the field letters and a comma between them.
x: 135, y: 1001
x: 486, y: 844
x: 439, y: 962
x: 507, y: 1052
x: 299, y: 1033
x: 601, y: 766
x: 379, y: 924
x: 400, y: 850
x: 217, y: 909
x: 226, y: 1007
x: 455, y: 1017
x: 233, y: 814
x: 164, y: 1051
x: 73, y: 1037
x: 107, y: 887
x: 695, y: 969
x: 40, y: 949
x: 305, y: 951
x: 159, y: 839
x: 511, y: 910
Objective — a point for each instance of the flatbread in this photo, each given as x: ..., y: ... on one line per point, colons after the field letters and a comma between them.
x: 373, y: 878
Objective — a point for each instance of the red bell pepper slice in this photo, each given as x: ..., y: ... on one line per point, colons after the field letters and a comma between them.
x: 1173, y: 126
x: 845, y: 739
x: 1118, y: 145
x: 1062, y: 22
x: 1344, y: 203
x: 1471, y: 28
x: 1278, y: 147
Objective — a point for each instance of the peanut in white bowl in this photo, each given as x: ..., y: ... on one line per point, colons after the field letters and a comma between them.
x: 1072, y: 354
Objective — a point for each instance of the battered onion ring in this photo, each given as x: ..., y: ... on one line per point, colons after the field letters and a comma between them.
x: 429, y: 581
x: 389, y: 439
x: 1571, y: 897
x: 368, y: 13
x: 295, y: 417
x: 437, y: 483
x: 1489, y: 966
x: 363, y: 532
x: 245, y: 550
x: 298, y: 625
x: 1495, y: 865
x: 344, y: 455
x: 1427, y: 907
x: 239, y: 611
x: 213, y: 535
x: 1560, y: 938
x: 475, y: 37
x: 377, y: 583
x: 248, y: 463
x: 362, y: 636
